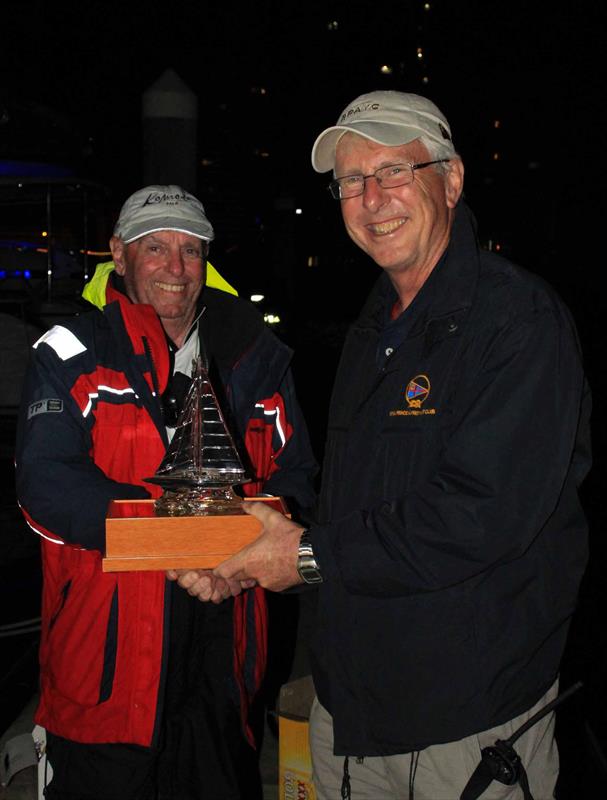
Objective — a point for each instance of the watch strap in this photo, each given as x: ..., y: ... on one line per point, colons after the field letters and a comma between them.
x: 307, y: 566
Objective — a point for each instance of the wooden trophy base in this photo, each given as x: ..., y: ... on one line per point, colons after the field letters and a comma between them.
x: 137, y: 539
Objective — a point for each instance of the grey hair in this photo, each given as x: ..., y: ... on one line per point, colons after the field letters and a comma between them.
x: 437, y: 150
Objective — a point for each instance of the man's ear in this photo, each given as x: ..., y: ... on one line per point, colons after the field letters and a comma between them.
x: 118, y: 247
x: 454, y: 182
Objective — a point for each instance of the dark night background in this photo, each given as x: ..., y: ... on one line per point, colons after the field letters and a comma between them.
x: 521, y: 84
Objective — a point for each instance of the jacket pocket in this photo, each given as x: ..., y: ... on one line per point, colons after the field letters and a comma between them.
x: 60, y: 605
x: 109, y: 653
x: 80, y: 649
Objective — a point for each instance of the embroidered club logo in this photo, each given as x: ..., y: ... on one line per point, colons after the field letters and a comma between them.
x: 417, y: 391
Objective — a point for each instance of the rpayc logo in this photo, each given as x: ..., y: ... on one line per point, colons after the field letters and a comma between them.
x: 417, y: 391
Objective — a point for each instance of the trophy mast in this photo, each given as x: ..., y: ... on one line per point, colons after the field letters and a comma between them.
x: 202, y: 465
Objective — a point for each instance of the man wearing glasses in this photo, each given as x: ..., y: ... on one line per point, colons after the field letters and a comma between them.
x: 451, y: 541
x: 144, y: 690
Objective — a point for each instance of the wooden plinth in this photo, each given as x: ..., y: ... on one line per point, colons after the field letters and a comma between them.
x: 137, y: 539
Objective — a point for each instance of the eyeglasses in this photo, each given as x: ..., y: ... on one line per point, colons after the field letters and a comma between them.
x: 387, y: 177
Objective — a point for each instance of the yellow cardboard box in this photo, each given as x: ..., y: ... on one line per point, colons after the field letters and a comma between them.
x: 294, y: 761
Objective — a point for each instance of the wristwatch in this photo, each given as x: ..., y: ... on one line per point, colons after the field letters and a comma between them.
x: 307, y: 566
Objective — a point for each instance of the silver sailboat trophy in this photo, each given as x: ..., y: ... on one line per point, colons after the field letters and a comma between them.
x: 202, y: 465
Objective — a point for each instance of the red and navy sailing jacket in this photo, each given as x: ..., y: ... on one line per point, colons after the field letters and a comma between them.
x: 90, y: 431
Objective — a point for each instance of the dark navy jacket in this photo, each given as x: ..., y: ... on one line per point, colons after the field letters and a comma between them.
x: 452, y: 538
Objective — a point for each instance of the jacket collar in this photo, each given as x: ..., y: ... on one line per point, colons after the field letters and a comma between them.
x: 143, y: 327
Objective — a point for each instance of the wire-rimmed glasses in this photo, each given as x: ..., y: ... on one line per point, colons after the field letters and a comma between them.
x: 388, y: 177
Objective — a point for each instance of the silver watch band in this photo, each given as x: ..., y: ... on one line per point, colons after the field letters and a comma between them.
x: 307, y: 566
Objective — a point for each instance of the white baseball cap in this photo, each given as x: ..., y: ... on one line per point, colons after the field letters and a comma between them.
x: 162, y: 208
x: 386, y: 117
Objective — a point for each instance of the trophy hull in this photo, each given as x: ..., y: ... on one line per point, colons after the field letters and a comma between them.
x: 138, y: 538
x: 200, y: 501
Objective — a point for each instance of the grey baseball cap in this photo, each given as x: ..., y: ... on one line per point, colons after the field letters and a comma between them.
x: 386, y: 117
x: 162, y: 208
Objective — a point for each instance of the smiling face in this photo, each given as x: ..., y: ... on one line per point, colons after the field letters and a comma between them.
x: 405, y: 230
x: 167, y: 270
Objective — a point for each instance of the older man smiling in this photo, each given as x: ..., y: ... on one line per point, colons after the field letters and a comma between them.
x: 145, y: 691
x: 451, y: 539
x: 164, y: 267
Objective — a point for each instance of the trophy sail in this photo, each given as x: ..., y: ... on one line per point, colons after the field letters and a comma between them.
x: 202, y: 463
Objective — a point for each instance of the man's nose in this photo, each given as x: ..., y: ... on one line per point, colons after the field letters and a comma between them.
x: 176, y: 263
x: 374, y: 196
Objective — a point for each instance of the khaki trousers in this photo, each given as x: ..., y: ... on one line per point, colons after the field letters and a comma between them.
x: 439, y: 772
